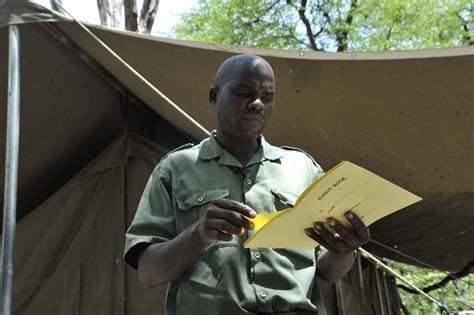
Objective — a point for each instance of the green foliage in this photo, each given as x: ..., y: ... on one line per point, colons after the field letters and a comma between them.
x: 410, y: 24
x: 334, y: 25
x: 458, y: 295
x: 240, y: 22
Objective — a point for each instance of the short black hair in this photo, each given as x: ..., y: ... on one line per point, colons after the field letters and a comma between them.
x: 231, y: 65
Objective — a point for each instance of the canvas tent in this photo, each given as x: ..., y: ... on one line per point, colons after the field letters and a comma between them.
x: 91, y: 133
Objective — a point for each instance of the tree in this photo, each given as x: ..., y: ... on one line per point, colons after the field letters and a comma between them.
x: 110, y: 12
x: 331, y: 25
x: 458, y: 295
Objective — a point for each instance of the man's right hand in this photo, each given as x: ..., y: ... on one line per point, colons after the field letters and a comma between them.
x: 223, y: 219
x: 167, y: 261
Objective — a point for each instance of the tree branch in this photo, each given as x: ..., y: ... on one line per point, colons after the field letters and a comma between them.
x: 116, y: 13
x: 304, y: 19
x: 404, y: 308
x: 147, y: 15
x: 292, y: 34
x: 325, y: 13
x: 389, y: 33
x: 342, y: 34
x: 326, y: 16
x: 130, y: 9
x: 104, y: 12
x: 467, y: 38
x: 469, y: 268
x: 320, y: 31
x: 258, y: 18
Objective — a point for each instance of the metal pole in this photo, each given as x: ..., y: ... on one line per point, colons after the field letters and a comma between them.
x: 11, y: 168
x: 359, y: 269
x: 385, y: 290
x: 379, y: 290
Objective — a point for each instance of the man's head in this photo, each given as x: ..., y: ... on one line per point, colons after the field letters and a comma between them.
x: 243, y: 91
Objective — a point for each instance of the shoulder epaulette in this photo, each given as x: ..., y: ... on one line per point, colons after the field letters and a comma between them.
x: 184, y: 146
x: 285, y: 147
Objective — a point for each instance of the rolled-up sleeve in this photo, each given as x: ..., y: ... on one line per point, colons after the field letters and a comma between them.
x: 154, y: 220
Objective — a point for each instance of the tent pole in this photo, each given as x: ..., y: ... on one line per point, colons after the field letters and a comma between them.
x: 11, y: 168
x: 385, y: 290
x: 379, y: 289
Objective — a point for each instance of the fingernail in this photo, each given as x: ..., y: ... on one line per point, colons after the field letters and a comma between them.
x: 349, y: 215
x: 337, y: 236
x: 307, y: 232
x: 251, y: 226
x: 252, y: 212
x: 332, y: 222
x: 317, y: 226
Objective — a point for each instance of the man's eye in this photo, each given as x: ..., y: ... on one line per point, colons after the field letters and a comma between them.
x: 244, y: 94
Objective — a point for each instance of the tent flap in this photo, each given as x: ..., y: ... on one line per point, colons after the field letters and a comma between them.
x: 24, y: 11
x: 69, y: 250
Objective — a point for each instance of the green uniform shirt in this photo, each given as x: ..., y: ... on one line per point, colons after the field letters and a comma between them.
x: 227, y: 278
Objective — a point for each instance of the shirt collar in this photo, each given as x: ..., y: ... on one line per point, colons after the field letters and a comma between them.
x: 210, y: 149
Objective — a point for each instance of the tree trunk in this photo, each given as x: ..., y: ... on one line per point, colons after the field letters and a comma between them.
x: 130, y: 8
x: 56, y: 7
x: 116, y: 13
x: 104, y: 12
x: 343, y: 33
x: 147, y: 15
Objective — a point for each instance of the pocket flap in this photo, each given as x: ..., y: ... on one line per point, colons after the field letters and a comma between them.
x: 200, y: 197
x: 284, y: 197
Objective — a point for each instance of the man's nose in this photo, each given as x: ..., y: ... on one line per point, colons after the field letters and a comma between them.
x: 256, y: 104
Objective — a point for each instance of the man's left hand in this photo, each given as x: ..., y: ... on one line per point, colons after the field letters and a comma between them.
x: 344, y: 240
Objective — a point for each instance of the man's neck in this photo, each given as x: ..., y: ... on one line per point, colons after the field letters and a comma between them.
x: 242, y: 149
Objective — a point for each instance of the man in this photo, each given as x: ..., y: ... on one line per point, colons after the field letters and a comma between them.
x: 193, y: 216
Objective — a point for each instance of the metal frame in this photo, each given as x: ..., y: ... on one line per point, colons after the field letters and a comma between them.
x: 11, y: 168
x: 379, y: 290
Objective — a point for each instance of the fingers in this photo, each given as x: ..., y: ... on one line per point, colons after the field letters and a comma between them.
x: 341, y: 239
x: 231, y: 212
x: 344, y: 234
x: 215, y: 235
x: 315, y: 236
x: 225, y: 226
x: 333, y: 240
x: 359, y: 226
x: 235, y: 206
x: 223, y: 219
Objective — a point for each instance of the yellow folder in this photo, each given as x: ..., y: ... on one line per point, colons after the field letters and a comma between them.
x: 344, y: 187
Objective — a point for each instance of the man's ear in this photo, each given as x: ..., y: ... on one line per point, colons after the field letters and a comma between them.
x: 213, y: 95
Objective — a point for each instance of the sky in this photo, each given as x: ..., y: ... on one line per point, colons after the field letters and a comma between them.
x: 168, y: 12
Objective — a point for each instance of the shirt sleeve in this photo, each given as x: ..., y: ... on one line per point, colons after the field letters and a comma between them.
x: 318, y: 172
x: 154, y: 220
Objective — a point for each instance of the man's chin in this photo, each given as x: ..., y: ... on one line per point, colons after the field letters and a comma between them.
x: 252, y: 126
x: 252, y: 132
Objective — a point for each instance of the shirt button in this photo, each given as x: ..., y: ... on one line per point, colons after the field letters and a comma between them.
x: 248, y: 181
x: 200, y: 198
x: 263, y: 294
x: 257, y: 255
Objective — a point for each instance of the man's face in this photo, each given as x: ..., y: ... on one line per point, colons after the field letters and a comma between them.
x: 245, y: 101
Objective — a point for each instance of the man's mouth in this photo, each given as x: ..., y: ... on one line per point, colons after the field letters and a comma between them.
x: 254, y: 118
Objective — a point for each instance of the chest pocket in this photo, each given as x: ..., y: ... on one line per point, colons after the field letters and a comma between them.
x: 193, y: 205
x: 283, y: 199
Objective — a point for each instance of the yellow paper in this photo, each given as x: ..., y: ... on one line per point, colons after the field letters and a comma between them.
x: 345, y: 187
x: 261, y: 219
